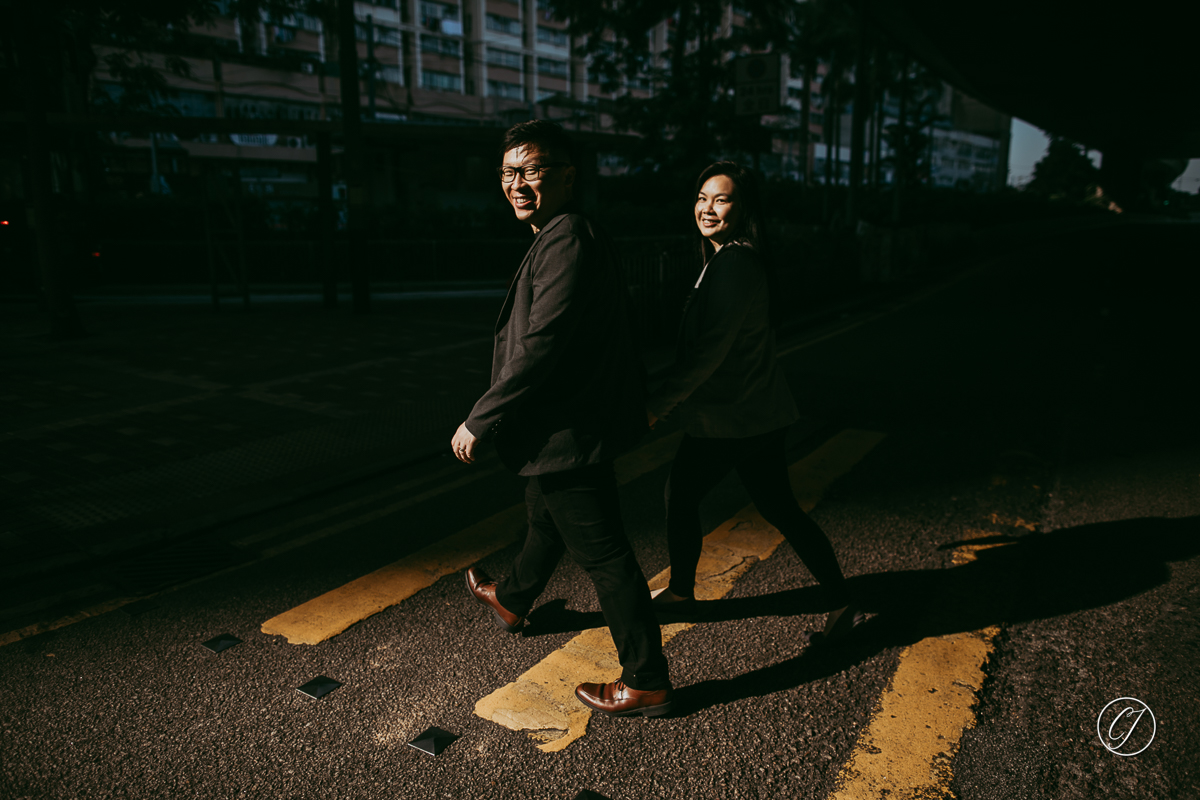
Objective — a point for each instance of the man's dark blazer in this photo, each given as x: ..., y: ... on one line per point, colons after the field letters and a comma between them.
x: 568, y: 387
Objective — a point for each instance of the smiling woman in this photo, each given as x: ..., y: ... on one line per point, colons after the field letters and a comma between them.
x: 733, y: 402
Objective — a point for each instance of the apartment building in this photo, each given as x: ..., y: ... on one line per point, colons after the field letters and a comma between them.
x: 475, y: 63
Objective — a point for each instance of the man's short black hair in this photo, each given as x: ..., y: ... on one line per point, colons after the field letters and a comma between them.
x: 547, y: 135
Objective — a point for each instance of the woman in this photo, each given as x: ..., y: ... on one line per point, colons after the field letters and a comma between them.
x: 731, y: 397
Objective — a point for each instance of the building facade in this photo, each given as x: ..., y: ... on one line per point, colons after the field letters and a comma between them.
x: 493, y: 63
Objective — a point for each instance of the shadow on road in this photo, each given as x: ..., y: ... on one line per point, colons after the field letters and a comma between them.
x: 1036, y: 576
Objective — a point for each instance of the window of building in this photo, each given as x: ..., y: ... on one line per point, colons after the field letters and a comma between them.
x: 445, y: 47
x: 439, y: 11
x: 284, y: 35
x: 512, y: 91
x: 391, y: 74
x: 503, y: 58
x: 441, y: 81
x: 311, y: 24
x: 550, y: 66
x: 546, y: 94
x: 495, y: 22
x: 552, y: 36
x: 388, y: 36
x: 251, y: 108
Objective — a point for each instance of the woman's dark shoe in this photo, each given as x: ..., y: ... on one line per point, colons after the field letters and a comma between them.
x: 839, y: 623
x: 667, y: 603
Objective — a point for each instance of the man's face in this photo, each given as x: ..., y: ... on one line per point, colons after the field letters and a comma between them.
x: 537, y: 201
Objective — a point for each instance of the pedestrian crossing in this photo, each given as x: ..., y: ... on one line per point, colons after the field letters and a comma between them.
x: 541, y: 701
x: 333, y: 612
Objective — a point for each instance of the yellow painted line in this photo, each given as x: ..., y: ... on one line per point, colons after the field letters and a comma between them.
x: 830, y: 335
x: 459, y: 469
x: 905, y: 303
x: 542, y: 700
x: 333, y: 612
x: 907, y: 747
x: 62, y: 622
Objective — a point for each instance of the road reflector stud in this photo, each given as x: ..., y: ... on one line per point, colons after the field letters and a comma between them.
x: 318, y: 687
x: 433, y: 741
x: 222, y: 642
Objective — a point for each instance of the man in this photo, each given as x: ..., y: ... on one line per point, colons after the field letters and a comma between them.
x: 566, y: 397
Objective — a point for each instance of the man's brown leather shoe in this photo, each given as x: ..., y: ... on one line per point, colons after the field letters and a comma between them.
x: 483, y: 588
x: 618, y: 700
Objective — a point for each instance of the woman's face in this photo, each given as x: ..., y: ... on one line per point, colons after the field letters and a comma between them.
x: 717, y: 210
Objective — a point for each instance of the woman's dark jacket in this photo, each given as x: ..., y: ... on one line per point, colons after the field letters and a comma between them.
x: 725, y: 382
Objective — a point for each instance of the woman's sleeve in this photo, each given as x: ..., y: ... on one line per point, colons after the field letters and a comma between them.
x: 726, y: 296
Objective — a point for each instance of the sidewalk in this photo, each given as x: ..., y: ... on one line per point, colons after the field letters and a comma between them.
x: 168, y: 418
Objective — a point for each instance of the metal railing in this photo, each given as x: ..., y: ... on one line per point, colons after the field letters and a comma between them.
x: 658, y: 271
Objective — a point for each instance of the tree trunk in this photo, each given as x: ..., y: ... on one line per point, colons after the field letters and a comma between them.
x: 900, y: 157
x: 858, y: 122
x: 810, y: 69
x: 876, y: 143
x: 326, y: 220
x: 64, y: 319
x: 829, y: 134
x: 353, y: 159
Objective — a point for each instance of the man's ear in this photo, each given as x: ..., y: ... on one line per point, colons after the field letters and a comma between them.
x: 569, y: 178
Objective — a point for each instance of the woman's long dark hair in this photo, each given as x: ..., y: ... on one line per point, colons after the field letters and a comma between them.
x: 750, y: 229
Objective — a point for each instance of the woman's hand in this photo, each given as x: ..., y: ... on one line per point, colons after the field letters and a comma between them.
x: 650, y: 419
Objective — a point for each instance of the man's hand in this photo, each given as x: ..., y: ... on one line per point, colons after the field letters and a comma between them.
x: 650, y: 419
x: 463, y: 444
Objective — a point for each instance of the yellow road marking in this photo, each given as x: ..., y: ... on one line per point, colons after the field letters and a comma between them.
x: 335, y: 611
x: 115, y: 603
x: 62, y: 622
x: 830, y: 335
x: 270, y: 533
x: 542, y: 700
x: 900, y: 306
x: 907, y: 747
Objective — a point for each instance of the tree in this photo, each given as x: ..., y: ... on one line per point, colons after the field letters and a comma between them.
x: 918, y: 91
x: 1065, y: 171
x: 689, y: 116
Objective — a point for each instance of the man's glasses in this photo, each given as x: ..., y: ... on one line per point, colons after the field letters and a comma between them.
x: 529, y: 172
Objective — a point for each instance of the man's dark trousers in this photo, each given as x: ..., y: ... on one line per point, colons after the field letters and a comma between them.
x: 578, y: 511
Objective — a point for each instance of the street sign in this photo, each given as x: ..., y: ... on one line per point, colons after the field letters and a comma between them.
x: 758, y: 87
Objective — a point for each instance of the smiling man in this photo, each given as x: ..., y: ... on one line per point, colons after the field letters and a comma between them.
x: 566, y: 398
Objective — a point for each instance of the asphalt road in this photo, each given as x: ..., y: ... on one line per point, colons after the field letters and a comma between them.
x: 1041, y: 402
